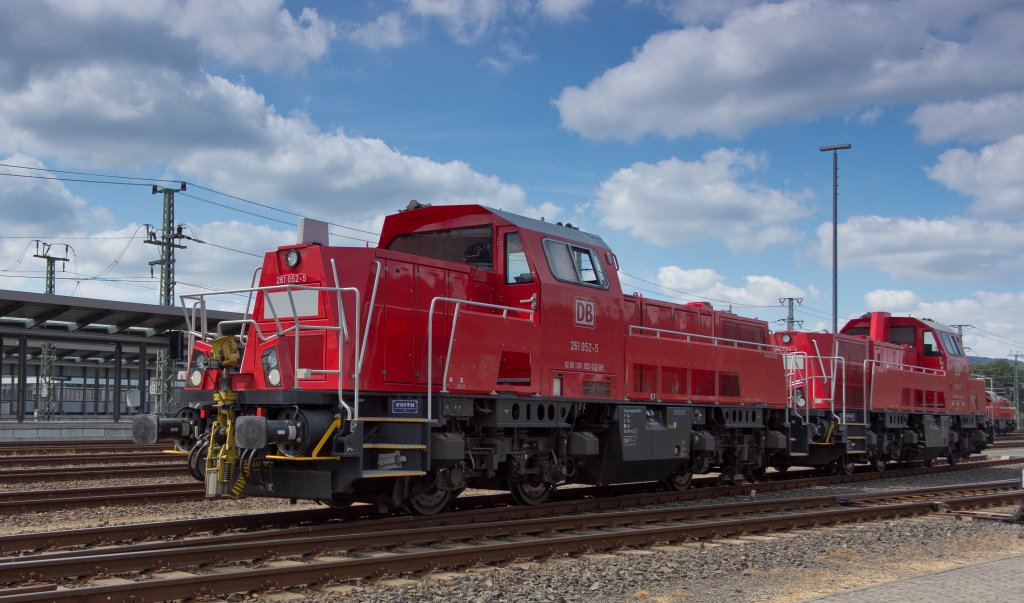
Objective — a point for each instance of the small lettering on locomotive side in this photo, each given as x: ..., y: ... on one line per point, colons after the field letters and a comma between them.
x: 405, y: 407
x: 291, y: 279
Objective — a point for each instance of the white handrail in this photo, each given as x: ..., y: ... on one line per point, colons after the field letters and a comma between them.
x: 689, y: 336
x: 430, y: 339
x: 903, y: 367
x: 369, y: 314
x: 199, y: 301
x: 248, y: 302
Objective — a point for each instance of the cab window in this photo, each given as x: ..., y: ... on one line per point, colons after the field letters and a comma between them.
x: 517, y: 269
x: 464, y: 245
x: 574, y: 264
x: 928, y: 343
x: 952, y: 345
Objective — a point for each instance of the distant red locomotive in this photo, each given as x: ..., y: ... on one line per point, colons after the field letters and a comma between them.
x: 884, y: 389
x: 1000, y: 412
x: 475, y: 347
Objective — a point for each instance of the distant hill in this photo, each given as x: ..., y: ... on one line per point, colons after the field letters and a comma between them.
x: 981, y: 359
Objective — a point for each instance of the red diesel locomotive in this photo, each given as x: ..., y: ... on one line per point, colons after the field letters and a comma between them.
x: 475, y: 347
x: 1000, y: 412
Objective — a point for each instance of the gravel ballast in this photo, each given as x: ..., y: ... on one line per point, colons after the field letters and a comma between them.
x: 787, y: 567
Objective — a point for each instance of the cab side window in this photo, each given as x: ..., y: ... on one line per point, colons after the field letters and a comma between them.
x: 951, y: 344
x: 575, y: 264
x: 517, y: 269
x: 928, y: 343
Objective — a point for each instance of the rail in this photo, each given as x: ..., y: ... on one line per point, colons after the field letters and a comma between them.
x: 872, y: 363
x: 451, y: 339
x: 196, y: 304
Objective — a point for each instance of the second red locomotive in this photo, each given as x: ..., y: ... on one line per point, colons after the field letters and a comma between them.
x: 478, y: 348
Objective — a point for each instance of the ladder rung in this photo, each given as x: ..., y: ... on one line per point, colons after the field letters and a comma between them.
x: 370, y: 473
x: 280, y: 457
x: 397, y: 446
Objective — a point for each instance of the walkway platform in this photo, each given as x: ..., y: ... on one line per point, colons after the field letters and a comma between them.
x: 990, y: 582
x: 104, y: 430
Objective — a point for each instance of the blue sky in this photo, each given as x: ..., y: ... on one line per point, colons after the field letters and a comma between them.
x: 685, y: 133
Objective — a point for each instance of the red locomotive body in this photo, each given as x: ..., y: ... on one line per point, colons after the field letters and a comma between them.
x: 890, y: 388
x: 475, y: 347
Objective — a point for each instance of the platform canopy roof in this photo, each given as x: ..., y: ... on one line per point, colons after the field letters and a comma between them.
x: 60, y: 318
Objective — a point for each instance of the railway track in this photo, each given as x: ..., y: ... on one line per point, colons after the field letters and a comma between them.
x: 36, y: 447
x: 10, y: 476
x: 26, y: 501
x: 58, y: 460
x: 335, y: 552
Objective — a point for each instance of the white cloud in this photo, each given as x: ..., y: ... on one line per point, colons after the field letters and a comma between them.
x: 675, y: 202
x: 224, y: 134
x: 797, y: 60
x: 705, y: 283
x: 34, y: 206
x: 992, y: 176
x: 386, y: 31
x: 258, y: 33
x: 888, y: 300
x: 946, y: 249
x: 562, y: 10
x: 704, y: 12
x: 254, y: 32
x: 346, y: 178
x: 509, y: 54
x: 987, y: 119
x: 466, y: 20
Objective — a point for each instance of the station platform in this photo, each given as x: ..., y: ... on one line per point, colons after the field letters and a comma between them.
x: 990, y: 582
x: 100, y: 430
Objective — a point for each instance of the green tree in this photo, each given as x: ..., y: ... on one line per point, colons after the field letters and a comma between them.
x: 1001, y: 374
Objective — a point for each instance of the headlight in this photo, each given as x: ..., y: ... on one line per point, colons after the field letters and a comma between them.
x: 786, y: 338
x: 197, y: 368
x: 291, y: 259
x: 271, y: 371
x: 798, y: 397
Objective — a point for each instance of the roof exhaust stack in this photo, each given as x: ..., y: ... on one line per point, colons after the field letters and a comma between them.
x: 313, y: 232
x: 880, y: 326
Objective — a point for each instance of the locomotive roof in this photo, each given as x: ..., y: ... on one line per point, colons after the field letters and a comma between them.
x: 434, y: 217
x: 937, y: 326
x: 565, y: 232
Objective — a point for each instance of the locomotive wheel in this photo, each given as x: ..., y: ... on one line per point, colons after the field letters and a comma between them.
x: 781, y: 468
x: 952, y: 457
x: 526, y: 492
x: 679, y: 480
x: 197, y: 461
x: 929, y: 462
x: 843, y: 466
x: 757, y: 474
x: 878, y: 464
x: 430, y: 502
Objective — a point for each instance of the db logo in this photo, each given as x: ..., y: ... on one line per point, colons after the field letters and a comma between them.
x: 585, y: 311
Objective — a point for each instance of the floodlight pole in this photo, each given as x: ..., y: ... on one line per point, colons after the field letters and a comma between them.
x: 835, y: 229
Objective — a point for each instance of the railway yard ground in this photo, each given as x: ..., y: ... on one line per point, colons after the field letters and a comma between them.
x: 831, y: 539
